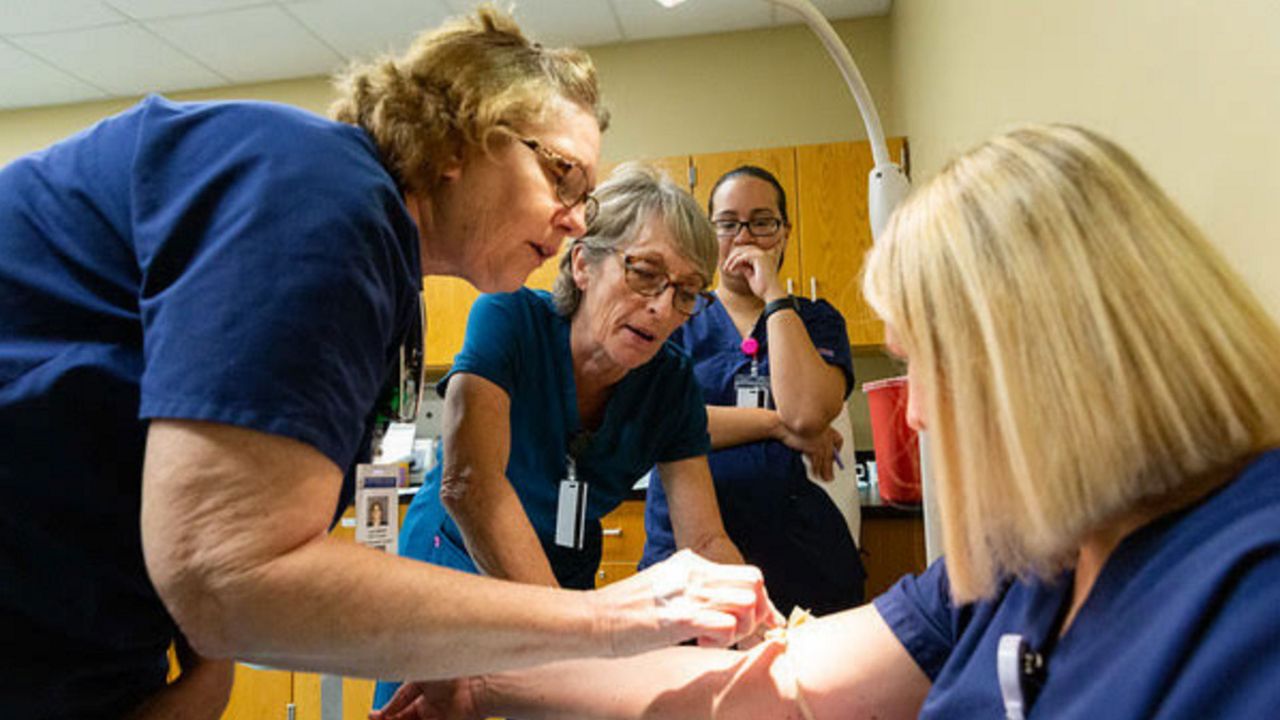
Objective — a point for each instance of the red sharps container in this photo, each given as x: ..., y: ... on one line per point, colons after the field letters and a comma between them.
x: 897, y: 445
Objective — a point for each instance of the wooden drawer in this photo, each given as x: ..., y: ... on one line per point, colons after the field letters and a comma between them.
x: 612, y: 572
x: 624, y: 533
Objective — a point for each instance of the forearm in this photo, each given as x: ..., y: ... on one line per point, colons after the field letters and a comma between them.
x: 331, y: 606
x: 807, y: 391
x: 717, y: 547
x: 729, y: 426
x: 499, y: 536
x: 670, y: 684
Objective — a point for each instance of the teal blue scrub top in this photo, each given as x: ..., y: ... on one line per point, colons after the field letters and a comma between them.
x: 520, y: 343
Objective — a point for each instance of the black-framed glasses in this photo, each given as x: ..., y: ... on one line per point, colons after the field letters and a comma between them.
x: 572, y: 184
x: 651, y: 279
x: 761, y: 227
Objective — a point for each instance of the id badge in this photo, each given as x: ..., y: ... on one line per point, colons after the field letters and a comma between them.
x: 377, y: 505
x: 752, y: 391
x: 571, y: 514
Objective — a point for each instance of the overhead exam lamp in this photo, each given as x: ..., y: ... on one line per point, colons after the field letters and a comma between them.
x: 887, y: 184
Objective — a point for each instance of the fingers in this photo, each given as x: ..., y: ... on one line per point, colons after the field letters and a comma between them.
x: 405, y: 696
x: 718, y: 603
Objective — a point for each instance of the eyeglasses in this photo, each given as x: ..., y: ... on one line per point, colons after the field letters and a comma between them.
x: 572, y: 185
x: 650, y: 279
x: 763, y: 227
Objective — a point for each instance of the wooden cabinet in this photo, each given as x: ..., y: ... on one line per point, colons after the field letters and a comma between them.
x: 831, y: 185
x: 623, y: 542
x: 892, y: 546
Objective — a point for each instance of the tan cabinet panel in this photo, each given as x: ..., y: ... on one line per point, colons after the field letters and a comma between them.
x: 782, y: 163
x: 832, y: 194
x: 448, y: 302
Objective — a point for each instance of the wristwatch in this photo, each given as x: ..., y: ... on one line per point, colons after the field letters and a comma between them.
x: 783, y: 303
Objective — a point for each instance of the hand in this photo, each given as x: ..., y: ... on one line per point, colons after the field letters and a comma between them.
x: 758, y: 267
x: 201, y: 691
x: 820, y: 449
x: 682, y: 598
x: 431, y: 700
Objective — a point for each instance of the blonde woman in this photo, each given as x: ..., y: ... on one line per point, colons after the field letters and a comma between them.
x: 1102, y: 394
x: 206, y: 299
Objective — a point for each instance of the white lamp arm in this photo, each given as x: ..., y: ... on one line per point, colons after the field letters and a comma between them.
x: 836, y: 48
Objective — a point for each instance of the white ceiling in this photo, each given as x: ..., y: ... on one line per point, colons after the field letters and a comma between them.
x: 64, y: 51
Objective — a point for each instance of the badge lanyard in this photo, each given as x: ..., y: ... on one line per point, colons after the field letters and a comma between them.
x: 571, y: 509
x: 752, y: 389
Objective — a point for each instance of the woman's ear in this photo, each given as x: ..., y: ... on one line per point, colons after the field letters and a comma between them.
x: 578, y: 264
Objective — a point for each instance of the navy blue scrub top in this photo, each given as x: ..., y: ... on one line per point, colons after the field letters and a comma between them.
x: 241, y: 263
x: 1182, y: 622
x: 777, y: 517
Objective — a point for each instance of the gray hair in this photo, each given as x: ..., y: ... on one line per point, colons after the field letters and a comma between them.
x: 633, y: 194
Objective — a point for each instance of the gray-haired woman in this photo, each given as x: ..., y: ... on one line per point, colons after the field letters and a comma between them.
x: 558, y: 402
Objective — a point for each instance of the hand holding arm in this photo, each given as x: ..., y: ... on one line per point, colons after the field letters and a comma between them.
x: 474, y: 487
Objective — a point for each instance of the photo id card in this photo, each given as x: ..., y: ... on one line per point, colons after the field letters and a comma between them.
x: 752, y: 391
x: 377, y: 505
x: 571, y: 514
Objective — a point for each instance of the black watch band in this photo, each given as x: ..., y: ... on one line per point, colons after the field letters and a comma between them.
x: 783, y: 303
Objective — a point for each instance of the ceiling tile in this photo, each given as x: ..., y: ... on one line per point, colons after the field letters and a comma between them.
x: 28, y: 81
x: 569, y: 22
x: 25, y: 16
x: 256, y: 44
x: 121, y: 59
x: 153, y: 9
x: 364, y: 29
x: 645, y: 19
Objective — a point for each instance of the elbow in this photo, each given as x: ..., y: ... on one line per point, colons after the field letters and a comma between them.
x: 805, y: 423
x: 198, y: 604
x: 457, y: 491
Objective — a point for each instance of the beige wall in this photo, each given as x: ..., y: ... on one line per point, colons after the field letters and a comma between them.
x: 1191, y: 88
x: 668, y: 97
x: 22, y: 131
x: 739, y: 90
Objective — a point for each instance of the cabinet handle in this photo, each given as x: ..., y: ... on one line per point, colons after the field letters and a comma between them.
x: 611, y: 532
x: 813, y: 288
x: 290, y: 711
x: 791, y: 286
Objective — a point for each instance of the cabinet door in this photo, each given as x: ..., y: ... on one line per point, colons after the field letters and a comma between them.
x: 782, y: 163
x: 832, y: 193
x: 448, y: 302
x: 259, y: 694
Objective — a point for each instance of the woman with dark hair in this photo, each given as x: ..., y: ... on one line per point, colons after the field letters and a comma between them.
x: 768, y: 408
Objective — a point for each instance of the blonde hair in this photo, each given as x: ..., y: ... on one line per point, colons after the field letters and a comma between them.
x: 455, y: 87
x: 1085, y: 347
x: 634, y: 194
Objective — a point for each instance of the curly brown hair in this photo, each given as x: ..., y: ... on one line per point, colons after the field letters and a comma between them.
x: 455, y: 87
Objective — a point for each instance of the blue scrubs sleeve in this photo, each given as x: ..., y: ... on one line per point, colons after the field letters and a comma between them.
x: 919, y: 611
x: 276, y: 275
x: 830, y: 338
